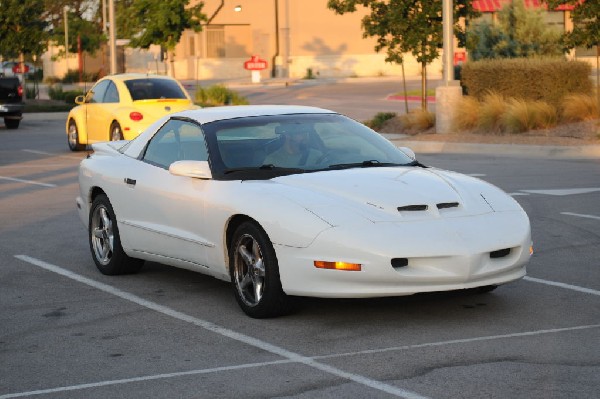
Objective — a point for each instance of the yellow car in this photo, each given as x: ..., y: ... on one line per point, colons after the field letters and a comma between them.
x: 120, y: 107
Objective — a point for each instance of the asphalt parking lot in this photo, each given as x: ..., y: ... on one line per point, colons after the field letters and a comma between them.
x: 66, y: 331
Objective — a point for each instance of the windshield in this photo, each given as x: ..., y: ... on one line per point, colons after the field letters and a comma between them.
x: 267, y: 146
x: 152, y: 89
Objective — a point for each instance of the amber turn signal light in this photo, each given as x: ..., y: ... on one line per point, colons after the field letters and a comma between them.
x: 353, y: 267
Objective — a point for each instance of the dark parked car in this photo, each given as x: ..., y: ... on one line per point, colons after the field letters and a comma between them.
x: 11, y: 102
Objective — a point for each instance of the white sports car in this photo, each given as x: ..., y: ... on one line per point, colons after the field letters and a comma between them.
x: 295, y: 201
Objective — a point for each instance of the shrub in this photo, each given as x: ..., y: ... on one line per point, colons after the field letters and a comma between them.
x: 379, y: 120
x: 57, y: 93
x: 523, y: 115
x: 72, y: 76
x: 219, y: 95
x: 467, y: 117
x: 548, y: 80
x: 418, y: 120
x: 491, y: 111
x: 580, y: 107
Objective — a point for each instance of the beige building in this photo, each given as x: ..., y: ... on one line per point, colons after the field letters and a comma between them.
x: 296, y: 38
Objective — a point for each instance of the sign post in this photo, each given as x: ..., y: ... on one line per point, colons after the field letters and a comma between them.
x: 255, y: 64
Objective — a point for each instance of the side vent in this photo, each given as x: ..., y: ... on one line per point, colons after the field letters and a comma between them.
x: 397, y: 263
x: 412, y: 208
x: 446, y: 205
x: 501, y: 253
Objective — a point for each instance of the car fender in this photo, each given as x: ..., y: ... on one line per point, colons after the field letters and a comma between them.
x: 77, y: 114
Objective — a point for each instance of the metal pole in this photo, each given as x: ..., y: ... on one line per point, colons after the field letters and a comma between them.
x: 447, y: 17
x: 112, y: 41
x: 274, y: 67
x: 66, y: 37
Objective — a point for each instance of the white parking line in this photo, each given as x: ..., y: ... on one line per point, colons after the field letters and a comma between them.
x: 37, y: 183
x: 291, y: 356
x: 581, y: 215
x: 56, y: 155
x: 563, y: 285
x: 460, y: 341
x: 139, y: 379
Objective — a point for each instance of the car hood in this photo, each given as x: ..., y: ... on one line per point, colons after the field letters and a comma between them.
x: 387, y: 194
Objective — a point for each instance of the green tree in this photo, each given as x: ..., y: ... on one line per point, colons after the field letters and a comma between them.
x: 160, y: 22
x: 407, y: 26
x: 83, y: 22
x: 519, y: 33
x: 23, y: 32
x: 585, y: 15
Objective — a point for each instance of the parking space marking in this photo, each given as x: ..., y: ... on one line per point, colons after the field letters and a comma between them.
x: 37, y: 183
x: 55, y: 155
x: 565, y: 191
x: 581, y: 215
x: 248, y: 340
x: 563, y: 285
x: 460, y: 341
x: 139, y: 379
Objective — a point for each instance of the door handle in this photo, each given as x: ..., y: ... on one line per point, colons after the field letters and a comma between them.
x: 130, y: 181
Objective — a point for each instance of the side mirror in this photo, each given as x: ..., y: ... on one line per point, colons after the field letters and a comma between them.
x: 79, y: 100
x: 408, y: 152
x: 195, y: 169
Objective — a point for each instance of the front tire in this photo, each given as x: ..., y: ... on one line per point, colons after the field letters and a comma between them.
x: 116, y: 133
x: 105, y: 242
x: 11, y: 123
x: 255, y: 273
x: 73, y: 137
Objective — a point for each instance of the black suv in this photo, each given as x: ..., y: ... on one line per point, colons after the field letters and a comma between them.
x: 11, y: 101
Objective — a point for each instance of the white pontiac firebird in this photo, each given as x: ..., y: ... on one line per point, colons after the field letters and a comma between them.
x: 295, y: 201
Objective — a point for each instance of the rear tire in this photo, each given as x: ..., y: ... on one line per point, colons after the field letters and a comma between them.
x: 73, y: 137
x: 105, y: 242
x: 486, y: 289
x: 12, y: 123
x: 116, y: 133
x: 255, y: 273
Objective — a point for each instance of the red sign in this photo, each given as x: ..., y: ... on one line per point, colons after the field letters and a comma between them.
x: 17, y: 68
x: 460, y: 57
x: 255, y: 64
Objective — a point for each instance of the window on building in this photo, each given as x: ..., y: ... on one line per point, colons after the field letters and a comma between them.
x: 215, y: 41
x: 555, y: 20
x: 192, y: 46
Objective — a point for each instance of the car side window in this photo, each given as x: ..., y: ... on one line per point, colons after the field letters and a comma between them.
x: 112, y: 94
x: 98, y: 92
x: 176, y: 140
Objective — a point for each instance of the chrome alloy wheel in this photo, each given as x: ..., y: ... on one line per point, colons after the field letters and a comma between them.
x: 73, y: 135
x: 115, y: 134
x: 249, y: 270
x: 102, y: 235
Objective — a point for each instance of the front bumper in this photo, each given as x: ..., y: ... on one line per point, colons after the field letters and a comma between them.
x: 440, y: 255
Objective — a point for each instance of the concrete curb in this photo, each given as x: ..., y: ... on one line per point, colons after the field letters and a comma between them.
x: 532, y: 151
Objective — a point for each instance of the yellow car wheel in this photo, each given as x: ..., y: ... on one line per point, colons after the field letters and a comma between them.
x: 73, y: 137
x: 116, y: 133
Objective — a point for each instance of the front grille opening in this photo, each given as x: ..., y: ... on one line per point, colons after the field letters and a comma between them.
x: 412, y: 208
x: 399, y: 262
x: 446, y: 205
x: 501, y: 253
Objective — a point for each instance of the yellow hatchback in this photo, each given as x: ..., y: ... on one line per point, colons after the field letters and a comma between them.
x: 120, y: 107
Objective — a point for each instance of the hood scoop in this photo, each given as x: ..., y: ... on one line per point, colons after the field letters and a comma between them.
x: 446, y: 205
x: 412, y: 208
x: 424, y: 207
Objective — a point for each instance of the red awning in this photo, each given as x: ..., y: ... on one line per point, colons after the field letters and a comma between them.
x: 496, y: 5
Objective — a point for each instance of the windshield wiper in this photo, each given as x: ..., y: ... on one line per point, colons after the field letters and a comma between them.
x: 364, y: 164
x: 267, y: 167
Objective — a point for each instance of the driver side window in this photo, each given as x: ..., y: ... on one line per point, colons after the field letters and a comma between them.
x: 177, y: 140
